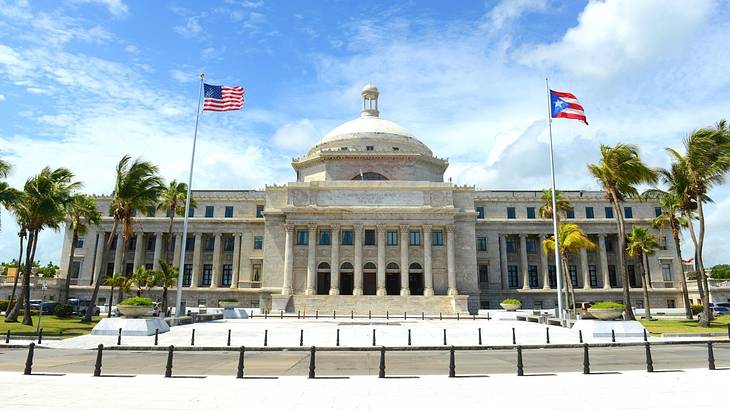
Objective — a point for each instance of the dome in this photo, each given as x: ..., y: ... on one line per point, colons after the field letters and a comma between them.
x: 369, y: 88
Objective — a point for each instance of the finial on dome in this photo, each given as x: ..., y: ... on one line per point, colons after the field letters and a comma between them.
x: 370, y: 101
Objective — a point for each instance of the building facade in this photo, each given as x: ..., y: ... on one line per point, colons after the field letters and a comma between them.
x: 370, y: 225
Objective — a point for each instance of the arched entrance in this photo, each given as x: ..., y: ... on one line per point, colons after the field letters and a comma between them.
x: 369, y: 279
x: 323, y: 278
x: 415, y: 278
x: 392, y: 279
x: 347, y: 280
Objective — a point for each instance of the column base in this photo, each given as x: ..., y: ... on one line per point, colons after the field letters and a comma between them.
x: 286, y: 291
x: 335, y: 291
x: 453, y: 292
x: 428, y: 292
x: 405, y: 292
x: 380, y: 292
x: 357, y: 292
x: 309, y: 291
x: 234, y: 285
x: 525, y: 288
x: 213, y: 286
x: 545, y: 287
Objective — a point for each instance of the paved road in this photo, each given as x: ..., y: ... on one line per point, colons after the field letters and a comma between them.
x: 364, y: 363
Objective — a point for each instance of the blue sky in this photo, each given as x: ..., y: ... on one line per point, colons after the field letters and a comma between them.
x: 83, y: 82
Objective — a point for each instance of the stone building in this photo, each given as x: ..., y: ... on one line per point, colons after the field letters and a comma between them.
x: 370, y: 224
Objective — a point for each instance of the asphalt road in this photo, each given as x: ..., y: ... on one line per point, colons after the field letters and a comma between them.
x: 543, y: 361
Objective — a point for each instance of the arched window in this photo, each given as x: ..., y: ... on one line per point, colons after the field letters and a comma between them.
x: 392, y: 266
x: 323, y: 266
x: 369, y: 176
x: 369, y: 266
x: 415, y: 266
x: 347, y: 266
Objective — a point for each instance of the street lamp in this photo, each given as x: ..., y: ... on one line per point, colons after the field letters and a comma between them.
x: 40, y: 310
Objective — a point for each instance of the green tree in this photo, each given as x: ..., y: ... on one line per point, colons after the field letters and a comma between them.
x: 167, y: 278
x: 546, y: 209
x: 721, y: 271
x: 143, y: 279
x: 137, y: 186
x: 618, y: 171
x: 172, y: 201
x: 117, y: 281
x: 641, y: 243
x: 80, y: 212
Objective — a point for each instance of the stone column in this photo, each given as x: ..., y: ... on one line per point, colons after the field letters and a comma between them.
x: 544, y: 264
x: 503, y: 260
x: 118, y: 264
x: 197, y: 254
x: 427, y: 272
x: 450, y: 260
x: 158, y: 251
x: 584, y: 268
x: 358, y: 260
x: 380, y: 275
x: 236, y: 260
x: 139, y: 250
x: 217, y: 252
x: 523, y: 261
x: 100, y: 246
x: 311, y: 261
x: 286, y: 288
x: 177, y: 252
x: 335, y: 263
x: 604, y: 260
x: 404, y: 288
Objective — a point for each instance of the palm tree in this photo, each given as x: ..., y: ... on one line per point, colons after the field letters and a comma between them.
x: 619, y: 170
x: 136, y: 186
x: 165, y: 277
x: 172, y: 201
x: 44, y: 206
x: 672, y: 202
x: 143, y: 278
x: 546, y: 209
x: 705, y: 162
x: 571, y: 239
x: 641, y: 243
x: 117, y: 280
x: 22, y: 233
x: 81, y: 211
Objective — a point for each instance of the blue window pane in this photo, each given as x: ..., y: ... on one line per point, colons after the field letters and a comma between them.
x: 347, y: 236
x: 530, y: 212
x: 571, y: 213
x: 208, y: 211
x: 589, y: 212
x: 480, y: 212
x: 628, y: 212
x: 229, y: 212
x: 609, y: 212
x: 511, y: 214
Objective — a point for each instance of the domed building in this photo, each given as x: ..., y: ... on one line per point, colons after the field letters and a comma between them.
x: 370, y: 225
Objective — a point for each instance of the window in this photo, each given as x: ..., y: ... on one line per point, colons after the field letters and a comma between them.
x: 80, y: 242
x: 609, y: 212
x: 148, y: 266
x: 209, y: 211
x: 150, y: 243
x: 657, y: 212
x: 670, y: 304
x: 663, y: 243
x: 631, y: 272
x: 512, y: 276
x: 207, y: 275
x: 370, y: 237
x: 190, y: 244
x: 570, y: 213
x: 573, y: 270
x: 258, y: 242
x: 259, y: 211
x: 437, y: 237
x: 75, y: 269
x: 229, y: 212
x: 168, y: 213
x: 191, y: 212
x: 369, y: 148
x: 209, y: 243
x: 480, y: 212
x: 151, y: 212
x: 482, y: 244
x: 110, y: 269
x: 483, y: 273
x: 552, y: 276
x: 589, y: 212
x: 530, y: 212
x: 324, y: 237
x: 228, y: 244
x: 511, y: 248
x: 227, y: 274
x: 113, y: 246
x: 256, y: 273
x: 128, y: 269
x: 593, y: 276
x: 609, y: 245
x: 414, y: 238
x: 132, y: 243
x: 532, y: 276
x: 187, y: 274
x: 531, y: 244
x: 666, y: 272
x: 511, y: 213
x: 391, y: 237
x: 628, y: 212
x: 302, y: 237
x: 612, y: 279
x: 346, y: 237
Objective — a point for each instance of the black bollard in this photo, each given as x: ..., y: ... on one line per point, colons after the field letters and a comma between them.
x: 444, y: 337
x: 514, y: 338
x: 29, y: 359
x: 40, y: 336
x: 239, y: 370
x: 298, y: 314
x: 520, y: 365
x: 281, y: 314
x: 301, y: 337
x: 488, y: 318
x: 338, y: 338
x: 119, y: 337
x: 316, y: 314
x: 547, y: 335
x: 440, y: 316
x: 473, y: 317
x: 168, y: 367
x: 228, y: 342
x: 423, y: 316
x: 97, y: 365
x: 7, y: 337
x: 457, y: 316
x: 192, y: 338
x: 710, y: 357
x: 352, y: 314
x: 157, y: 335
x: 266, y: 337
x: 409, y: 337
x: 312, y: 350
x: 480, y: 336
x: 645, y: 336
x: 586, y: 360
x: 266, y: 314
x: 334, y: 314
x: 452, y: 363
x: 580, y: 336
x: 373, y: 337
x: 370, y: 314
x: 613, y: 335
x: 381, y: 371
x: 387, y: 315
x: 649, y: 362
x: 405, y: 315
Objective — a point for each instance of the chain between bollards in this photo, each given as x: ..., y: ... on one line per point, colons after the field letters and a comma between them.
x: 29, y: 360
x: 452, y: 363
x: 586, y: 360
x: 381, y: 370
x: 710, y: 356
x: 168, y: 366
x: 97, y: 365
x: 312, y: 351
x: 520, y: 365
x: 239, y: 370
x: 649, y: 361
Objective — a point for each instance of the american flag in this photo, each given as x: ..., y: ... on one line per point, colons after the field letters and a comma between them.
x: 565, y: 105
x: 222, y: 98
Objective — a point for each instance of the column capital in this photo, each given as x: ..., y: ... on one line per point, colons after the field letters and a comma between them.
x: 404, y: 228
x: 218, y: 235
x: 380, y: 227
x: 450, y: 228
x: 289, y: 227
x: 335, y: 227
x: 358, y: 227
x: 427, y: 227
x: 523, y: 235
x: 312, y: 227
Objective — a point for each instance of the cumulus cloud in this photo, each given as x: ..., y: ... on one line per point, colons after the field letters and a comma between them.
x: 507, y: 11
x: 115, y: 7
x: 296, y: 136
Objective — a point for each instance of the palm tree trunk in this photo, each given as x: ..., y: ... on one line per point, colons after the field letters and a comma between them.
x: 628, y: 311
x: 644, y: 285
x: 15, y: 282
x: 95, y: 293
x: 29, y: 256
x: 169, y: 238
x: 67, y: 284
x: 164, y: 300
x: 701, y: 264
x: 568, y: 290
x: 111, y: 297
x: 683, y: 277
x: 704, y: 291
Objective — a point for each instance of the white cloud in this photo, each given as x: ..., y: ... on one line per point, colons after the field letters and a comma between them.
x: 2, y: 97
x: 115, y: 7
x: 297, y: 136
x: 132, y: 49
x: 184, y: 76
x: 507, y: 11
x: 191, y: 28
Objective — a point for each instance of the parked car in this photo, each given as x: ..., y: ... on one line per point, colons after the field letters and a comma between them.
x: 49, y: 308
x: 80, y: 307
x: 35, y: 303
x: 717, y: 311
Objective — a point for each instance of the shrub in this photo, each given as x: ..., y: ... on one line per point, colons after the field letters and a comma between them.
x: 696, y: 309
x: 137, y: 301
x: 607, y: 305
x: 511, y: 302
x: 228, y: 300
x: 4, y: 305
x: 63, y: 310
x: 720, y: 272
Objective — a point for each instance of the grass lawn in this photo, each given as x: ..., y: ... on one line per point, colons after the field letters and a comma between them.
x: 719, y: 325
x: 52, y: 326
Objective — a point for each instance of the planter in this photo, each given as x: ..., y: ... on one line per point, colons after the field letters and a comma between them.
x: 510, y: 307
x: 605, y: 314
x: 134, y: 311
x: 228, y: 305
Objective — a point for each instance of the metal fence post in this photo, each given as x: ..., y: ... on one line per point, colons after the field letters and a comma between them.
x: 649, y: 362
x: 440, y: 316
x: 405, y: 315
x: 586, y: 360
x: 520, y: 365
x: 312, y: 351
x: 352, y: 314
x: 452, y: 363
x: 29, y: 359
x: 370, y: 314
x: 266, y: 337
x: 228, y: 342
x: 281, y: 314
x: 7, y: 336
x: 423, y: 316
x: 480, y: 336
x: 168, y: 367
x: 266, y: 314
x: 316, y: 314
x: 710, y: 356
x: 239, y: 370
x: 301, y: 337
x: 157, y: 335
x: 119, y: 337
x: 457, y: 316
x: 387, y: 315
x: 645, y: 336
x: 97, y: 365
x: 381, y: 371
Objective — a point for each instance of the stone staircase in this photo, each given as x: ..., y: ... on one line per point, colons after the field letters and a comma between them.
x: 395, y: 305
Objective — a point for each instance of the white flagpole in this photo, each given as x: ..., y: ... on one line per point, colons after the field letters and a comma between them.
x: 181, y: 266
x: 558, y: 276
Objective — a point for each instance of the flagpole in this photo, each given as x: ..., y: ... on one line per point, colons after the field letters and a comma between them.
x: 558, y: 276
x: 181, y: 266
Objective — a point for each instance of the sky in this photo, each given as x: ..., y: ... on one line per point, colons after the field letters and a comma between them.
x: 83, y: 82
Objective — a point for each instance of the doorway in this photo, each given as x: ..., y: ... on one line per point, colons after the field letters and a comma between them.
x: 323, y: 279
x: 347, y: 280
x: 392, y: 279
x: 415, y: 279
x: 369, y: 279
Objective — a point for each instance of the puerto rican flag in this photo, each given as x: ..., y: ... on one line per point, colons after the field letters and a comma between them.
x: 565, y: 105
